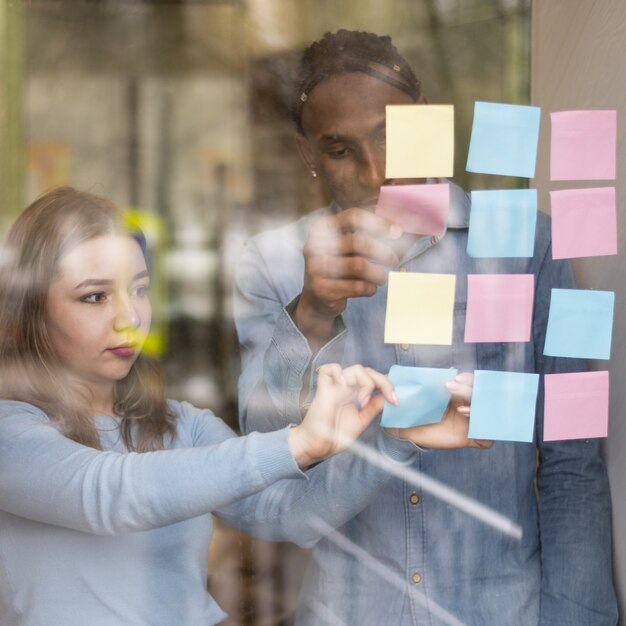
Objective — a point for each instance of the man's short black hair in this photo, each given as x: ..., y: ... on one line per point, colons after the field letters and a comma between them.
x: 351, y: 51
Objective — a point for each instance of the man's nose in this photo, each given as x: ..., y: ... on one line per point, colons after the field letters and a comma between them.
x: 372, y: 168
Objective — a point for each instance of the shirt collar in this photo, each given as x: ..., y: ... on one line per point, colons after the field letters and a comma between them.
x: 458, y: 212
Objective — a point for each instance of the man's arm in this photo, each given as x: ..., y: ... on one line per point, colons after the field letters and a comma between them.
x: 291, y: 286
x: 574, y: 499
x: 346, y: 255
x: 276, y: 356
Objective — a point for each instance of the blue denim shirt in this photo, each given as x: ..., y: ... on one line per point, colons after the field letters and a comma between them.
x: 412, y: 557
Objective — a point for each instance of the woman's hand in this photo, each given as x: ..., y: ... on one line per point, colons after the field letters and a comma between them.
x: 343, y: 407
x: 451, y: 431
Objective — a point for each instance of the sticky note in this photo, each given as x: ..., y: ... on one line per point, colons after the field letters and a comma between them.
x: 420, y: 308
x: 580, y: 324
x: 583, y: 145
x: 422, y: 393
x: 503, y: 406
x: 504, y: 139
x: 420, y: 140
x: 502, y: 223
x: 584, y: 222
x: 419, y: 209
x: 576, y: 405
x: 499, y: 307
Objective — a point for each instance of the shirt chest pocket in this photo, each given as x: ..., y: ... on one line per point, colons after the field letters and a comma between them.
x: 457, y: 354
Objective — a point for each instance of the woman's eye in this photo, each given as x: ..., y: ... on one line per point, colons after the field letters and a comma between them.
x: 94, y: 298
x: 140, y: 291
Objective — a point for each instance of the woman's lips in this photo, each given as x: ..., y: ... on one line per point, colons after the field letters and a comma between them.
x: 123, y: 351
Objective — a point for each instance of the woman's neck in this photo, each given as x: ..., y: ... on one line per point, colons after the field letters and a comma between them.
x: 99, y: 398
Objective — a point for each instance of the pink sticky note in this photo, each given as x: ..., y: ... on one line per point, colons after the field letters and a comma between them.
x: 499, y: 307
x: 584, y: 222
x: 583, y: 145
x: 419, y: 209
x: 576, y: 406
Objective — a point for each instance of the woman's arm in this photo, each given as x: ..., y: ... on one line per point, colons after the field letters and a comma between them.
x: 49, y: 478
x: 45, y: 476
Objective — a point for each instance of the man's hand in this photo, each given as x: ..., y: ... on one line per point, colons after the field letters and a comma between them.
x: 347, y: 255
x: 451, y: 432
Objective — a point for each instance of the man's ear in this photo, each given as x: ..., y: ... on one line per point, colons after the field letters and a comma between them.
x: 305, y: 150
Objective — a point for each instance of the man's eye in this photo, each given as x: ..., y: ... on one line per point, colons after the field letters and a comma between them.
x: 338, y: 153
x: 94, y: 298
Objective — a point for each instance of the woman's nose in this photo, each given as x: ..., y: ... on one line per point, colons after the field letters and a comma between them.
x: 126, y: 315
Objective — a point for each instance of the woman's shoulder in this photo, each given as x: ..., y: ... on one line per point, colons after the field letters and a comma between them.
x: 17, y: 418
x: 10, y: 408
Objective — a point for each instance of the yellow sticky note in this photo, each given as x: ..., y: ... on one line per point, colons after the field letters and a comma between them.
x: 420, y: 140
x: 420, y: 308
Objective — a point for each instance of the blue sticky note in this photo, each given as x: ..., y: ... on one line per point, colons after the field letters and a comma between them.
x: 580, y: 324
x: 503, y: 406
x: 422, y: 393
x: 502, y: 223
x: 504, y: 139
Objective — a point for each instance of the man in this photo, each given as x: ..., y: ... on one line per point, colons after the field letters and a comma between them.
x: 315, y: 292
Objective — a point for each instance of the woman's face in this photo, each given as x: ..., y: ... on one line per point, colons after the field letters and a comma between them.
x: 98, y: 310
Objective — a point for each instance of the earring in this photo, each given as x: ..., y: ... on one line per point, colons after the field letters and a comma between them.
x: 314, y: 173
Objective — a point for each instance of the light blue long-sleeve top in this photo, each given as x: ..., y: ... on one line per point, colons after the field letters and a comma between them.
x: 411, y: 558
x: 112, y: 538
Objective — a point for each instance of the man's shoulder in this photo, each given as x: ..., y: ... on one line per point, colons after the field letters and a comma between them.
x: 296, y: 230
x: 281, y: 244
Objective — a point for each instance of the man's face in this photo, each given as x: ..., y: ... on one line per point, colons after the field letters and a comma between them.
x: 344, y: 135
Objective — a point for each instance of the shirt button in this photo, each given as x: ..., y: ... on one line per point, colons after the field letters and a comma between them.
x: 416, y: 578
x: 414, y: 498
x: 434, y: 239
x: 405, y: 347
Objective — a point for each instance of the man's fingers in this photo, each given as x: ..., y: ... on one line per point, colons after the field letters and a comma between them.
x: 364, y: 245
x: 462, y: 386
x: 346, y: 267
x: 483, y: 444
x: 357, y: 243
x: 359, y: 219
x: 331, y: 290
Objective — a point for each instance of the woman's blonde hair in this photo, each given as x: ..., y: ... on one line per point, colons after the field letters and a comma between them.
x: 30, y: 368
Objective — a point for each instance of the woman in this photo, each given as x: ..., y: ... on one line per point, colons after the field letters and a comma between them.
x: 106, y: 488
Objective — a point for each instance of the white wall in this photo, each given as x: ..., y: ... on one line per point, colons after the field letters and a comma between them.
x: 579, y: 62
